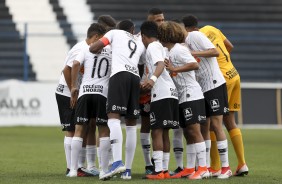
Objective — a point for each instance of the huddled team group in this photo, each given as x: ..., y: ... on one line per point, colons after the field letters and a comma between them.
x: 174, y: 75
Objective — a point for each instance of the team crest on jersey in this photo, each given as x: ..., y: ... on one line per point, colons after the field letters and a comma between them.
x: 188, y: 113
x: 214, y: 104
x: 60, y: 88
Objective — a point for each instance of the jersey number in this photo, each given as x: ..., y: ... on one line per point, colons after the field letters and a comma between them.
x: 102, y: 60
x: 132, y: 46
x: 226, y: 57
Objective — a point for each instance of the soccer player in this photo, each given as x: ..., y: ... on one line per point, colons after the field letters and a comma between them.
x: 213, y: 85
x: 66, y: 109
x: 155, y: 15
x: 109, y: 23
x: 123, y: 93
x: 182, y: 64
x: 163, y: 94
x: 93, y: 89
x: 231, y: 75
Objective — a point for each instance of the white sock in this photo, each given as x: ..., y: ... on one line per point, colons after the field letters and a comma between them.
x: 111, y: 157
x: 178, y: 146
x: 165, y: 160
x: 116, y: 138
x: 208, y: 152
x: 105, y: 149
x: 82, y: 157
x: 146, y: 145
x: 222, y: 147
x: 76, y: 146
x: 67, y: 146
x: 130, y: 146
x: 99, y: 157
x: 91, y: 156
x: 201, y: 153
x: 191, y: 156
x: 158, y: 159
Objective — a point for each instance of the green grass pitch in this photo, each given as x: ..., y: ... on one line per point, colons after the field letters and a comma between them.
x: 35, y: 155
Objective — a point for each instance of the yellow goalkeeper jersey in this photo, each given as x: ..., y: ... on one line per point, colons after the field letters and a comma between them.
x: 217, y: 38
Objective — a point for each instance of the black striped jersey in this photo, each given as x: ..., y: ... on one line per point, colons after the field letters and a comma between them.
x: 185, y: 82
x: 208, y: 75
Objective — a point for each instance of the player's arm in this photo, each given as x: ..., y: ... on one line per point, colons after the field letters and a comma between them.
x: 148, y: 85
x: 74, y: 77
x: 212, y: 52
x: 229, y: 46
x: 184, y: 68
x: 97, y: 46
x: 67, y: 75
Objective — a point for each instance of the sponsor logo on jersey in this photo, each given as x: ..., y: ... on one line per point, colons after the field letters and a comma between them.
x: 174, y: 92
x: 131, y: 69
x: 214, y: 104
x: 232, y: 73
x: 93, y: 88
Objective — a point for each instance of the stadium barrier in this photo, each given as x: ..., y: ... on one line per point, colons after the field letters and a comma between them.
x: 34, y: 104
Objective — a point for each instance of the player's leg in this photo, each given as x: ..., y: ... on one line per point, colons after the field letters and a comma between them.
x: 130, y: 146
x: 145, y: 136
x: 166, y: 153
x: 68, y: 125
x: 91, y: 148
x: 178, y: 148
x: 234, y: 100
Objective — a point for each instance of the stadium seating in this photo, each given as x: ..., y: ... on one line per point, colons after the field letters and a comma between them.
x: 11, y: 48
x: 46, y: 45
x: 253, y: 26
x: 79, y: 15
x: 64, y: 23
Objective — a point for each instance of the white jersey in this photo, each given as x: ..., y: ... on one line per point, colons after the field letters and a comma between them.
x: 127, y: 50
x: 63, y: 88
x: 209, y: 75
x: 185, y: 82
x: 164, y: 86
x: 96, y: 71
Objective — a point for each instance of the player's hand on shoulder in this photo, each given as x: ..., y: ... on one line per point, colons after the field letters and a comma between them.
x: 168, y: 65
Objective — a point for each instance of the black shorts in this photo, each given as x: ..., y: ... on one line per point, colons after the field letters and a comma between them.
x: 216, y: 101
x: 91, y: 106
x: 164, y: 114
x: 66, y: 113
x: 123, y: 95
x: 192, y: 112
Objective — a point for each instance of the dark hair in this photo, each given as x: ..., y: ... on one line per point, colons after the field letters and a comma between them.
x: 125, y: 25
x: 95, y: 28
x: 190, y: 21
x: 155, y: 11
x: 107, y: 21
x: 149, y: 29
x: 171, y: 32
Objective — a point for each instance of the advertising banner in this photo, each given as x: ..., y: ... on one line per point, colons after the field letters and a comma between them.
x: 28, y: 103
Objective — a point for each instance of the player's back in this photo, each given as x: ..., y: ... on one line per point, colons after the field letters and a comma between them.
x: 96, y: 71
x: 208, y: 75
x: 224, y: 60
x: 126, y: 51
